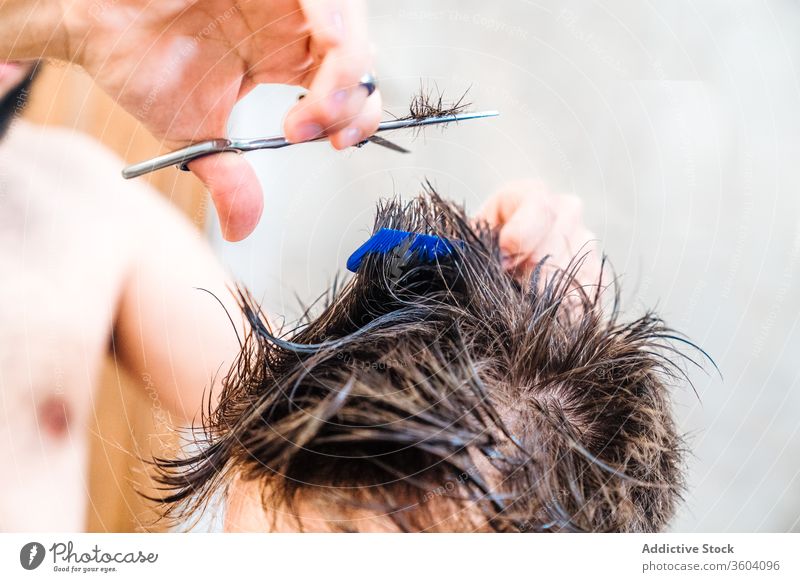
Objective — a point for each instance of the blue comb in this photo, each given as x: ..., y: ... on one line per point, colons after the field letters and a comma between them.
x: 429, y: 247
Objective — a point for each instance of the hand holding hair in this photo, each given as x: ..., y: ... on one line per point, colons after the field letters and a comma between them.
x: 535, y: 223
x: 180, y: 67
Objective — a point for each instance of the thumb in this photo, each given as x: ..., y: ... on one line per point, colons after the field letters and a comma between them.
x: 235, y: 191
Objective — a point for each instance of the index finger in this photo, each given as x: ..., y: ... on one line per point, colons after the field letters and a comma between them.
x: 335, y: 22
x: 335, y: 99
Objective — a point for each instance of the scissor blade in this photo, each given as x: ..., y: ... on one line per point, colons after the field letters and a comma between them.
x: 402, y: 123
x: 378, y: 140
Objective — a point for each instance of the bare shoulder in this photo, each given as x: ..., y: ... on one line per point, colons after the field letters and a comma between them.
x: 76, y: 174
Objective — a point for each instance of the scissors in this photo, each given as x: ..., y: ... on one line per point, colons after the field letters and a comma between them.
x: 185, y: 155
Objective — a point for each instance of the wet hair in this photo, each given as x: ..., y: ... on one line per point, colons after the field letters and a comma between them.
x: 430, y: 102
x: 14, y: 102
x: 451, y: 396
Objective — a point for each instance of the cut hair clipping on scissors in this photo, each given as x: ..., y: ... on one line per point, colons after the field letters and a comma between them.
x: 427, y: 108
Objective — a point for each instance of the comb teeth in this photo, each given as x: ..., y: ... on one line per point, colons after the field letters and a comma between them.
x: 428, y: 246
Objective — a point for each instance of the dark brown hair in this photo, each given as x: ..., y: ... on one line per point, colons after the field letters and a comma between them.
x: 451, y: 396
x: 13, y: 103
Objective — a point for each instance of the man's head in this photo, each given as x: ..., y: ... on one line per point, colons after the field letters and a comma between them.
x: 444, y: 396
x: 15, y: 81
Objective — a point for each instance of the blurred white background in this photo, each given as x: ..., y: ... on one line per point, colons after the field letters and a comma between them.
x: 678, y: 124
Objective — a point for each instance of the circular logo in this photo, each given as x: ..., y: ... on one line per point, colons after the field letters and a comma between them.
x: 31, y: 555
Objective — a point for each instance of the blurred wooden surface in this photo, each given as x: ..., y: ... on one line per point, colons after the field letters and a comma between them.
x: 129, y: 425
x: 129, y: 428
x: 65, y: 96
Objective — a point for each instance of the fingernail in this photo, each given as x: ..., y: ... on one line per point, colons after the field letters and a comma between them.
x: 337, y: 24
x: 352, y: 136
x: 308, y: 131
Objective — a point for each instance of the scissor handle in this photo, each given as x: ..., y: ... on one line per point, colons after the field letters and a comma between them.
x: 179, y: 157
